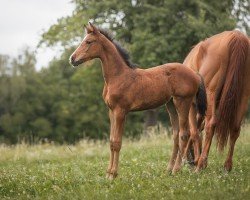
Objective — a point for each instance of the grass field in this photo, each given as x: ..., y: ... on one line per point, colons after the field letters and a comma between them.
x: 78, y: 172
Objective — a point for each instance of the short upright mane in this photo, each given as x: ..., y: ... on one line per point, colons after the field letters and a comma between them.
x: 123, y: 52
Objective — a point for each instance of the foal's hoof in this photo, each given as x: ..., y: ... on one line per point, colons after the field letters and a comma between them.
x: 184, y: 161
x: 170, y: 168
x: 202, y: 164
x: 107, y: 175
x: 111, y: 176
x: 196, y: 161
x: 197, y: 169
x: 176, y: 169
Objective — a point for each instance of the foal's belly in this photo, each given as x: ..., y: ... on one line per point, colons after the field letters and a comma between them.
x: 147, y: 104
x: 151, y: 94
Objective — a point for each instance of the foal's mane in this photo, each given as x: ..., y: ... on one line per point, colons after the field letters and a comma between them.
x: 123, y: 52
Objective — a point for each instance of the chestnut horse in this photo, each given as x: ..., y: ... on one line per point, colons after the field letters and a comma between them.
x: 224, y: 62
x: 127, y: 88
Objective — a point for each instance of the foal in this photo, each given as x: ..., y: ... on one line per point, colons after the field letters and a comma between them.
x: 127, y: 88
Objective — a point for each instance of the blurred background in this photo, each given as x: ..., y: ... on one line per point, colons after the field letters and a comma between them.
x: 42, y: 98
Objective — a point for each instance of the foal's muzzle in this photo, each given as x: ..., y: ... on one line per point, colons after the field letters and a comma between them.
x: 74, y: 62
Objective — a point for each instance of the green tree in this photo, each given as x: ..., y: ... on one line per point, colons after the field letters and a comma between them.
x: 15, y: 74
x: 155, y: 31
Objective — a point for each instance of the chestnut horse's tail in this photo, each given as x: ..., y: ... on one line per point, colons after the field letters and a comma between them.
x: 201, y: 99
x: 229, y: 99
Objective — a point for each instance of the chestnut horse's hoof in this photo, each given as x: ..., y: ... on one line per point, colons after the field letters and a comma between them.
x: 228, y: 166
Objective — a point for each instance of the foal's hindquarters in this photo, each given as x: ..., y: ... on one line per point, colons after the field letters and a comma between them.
x: 186, y: 112
x: 172, y: 84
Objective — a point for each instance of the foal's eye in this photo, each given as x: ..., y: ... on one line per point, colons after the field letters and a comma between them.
x: 88, y: 42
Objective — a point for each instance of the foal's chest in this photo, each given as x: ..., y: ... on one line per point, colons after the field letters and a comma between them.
x: 114, y: 97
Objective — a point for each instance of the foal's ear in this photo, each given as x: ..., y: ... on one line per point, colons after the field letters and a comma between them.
x: 88, y: 29
x: 91, y: 28
x: 85, y: 28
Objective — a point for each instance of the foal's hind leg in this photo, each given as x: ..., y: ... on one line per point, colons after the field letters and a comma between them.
x: 194, y: 134
x: 182, y: 106
x: 175, y: 126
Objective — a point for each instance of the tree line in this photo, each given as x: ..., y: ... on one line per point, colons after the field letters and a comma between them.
x: 64, y: 104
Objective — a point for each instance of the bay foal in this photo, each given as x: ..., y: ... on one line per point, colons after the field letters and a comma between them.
x: 127, y: 88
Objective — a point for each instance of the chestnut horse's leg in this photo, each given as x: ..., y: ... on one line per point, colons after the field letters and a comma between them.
x: 210, y: 123
x: 116, y: 139
x: 175, y: 126
x: 229, y: 160
x: 182, y: 106
x: 233, y: 137
x: 209, y: 128
x: 110, y: 138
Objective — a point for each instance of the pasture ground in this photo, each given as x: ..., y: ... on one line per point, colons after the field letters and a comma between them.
x: 78, y: 172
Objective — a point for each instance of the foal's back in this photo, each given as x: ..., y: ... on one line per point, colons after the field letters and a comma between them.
x: 176, y: 77
x: 150, y: 88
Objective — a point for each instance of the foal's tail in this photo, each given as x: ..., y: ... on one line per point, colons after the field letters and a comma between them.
x: 201, y: 101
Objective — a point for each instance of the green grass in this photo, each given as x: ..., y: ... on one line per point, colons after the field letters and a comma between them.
x: 78, y: 172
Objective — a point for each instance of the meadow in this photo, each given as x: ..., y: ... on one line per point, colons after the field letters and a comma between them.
x: 49, y: 171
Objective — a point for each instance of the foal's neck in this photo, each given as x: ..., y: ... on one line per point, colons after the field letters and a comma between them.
x: 113, y: 64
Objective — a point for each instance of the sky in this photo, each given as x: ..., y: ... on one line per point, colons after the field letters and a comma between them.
x: 23, y: 21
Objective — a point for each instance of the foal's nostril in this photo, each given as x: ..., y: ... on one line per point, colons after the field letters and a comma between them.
x: 72, y: 59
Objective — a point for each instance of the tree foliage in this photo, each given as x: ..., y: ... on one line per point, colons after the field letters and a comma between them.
x: 155, y: 31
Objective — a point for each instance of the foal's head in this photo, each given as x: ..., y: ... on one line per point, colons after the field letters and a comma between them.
x: 94, y: 43
x: 90, y: 47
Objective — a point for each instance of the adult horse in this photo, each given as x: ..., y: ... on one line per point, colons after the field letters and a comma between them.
x: 127, y: 88
x: 224, y: 62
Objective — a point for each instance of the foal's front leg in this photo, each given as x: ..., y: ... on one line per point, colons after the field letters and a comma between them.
x: 118, y: 120
x: 111, y: 157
